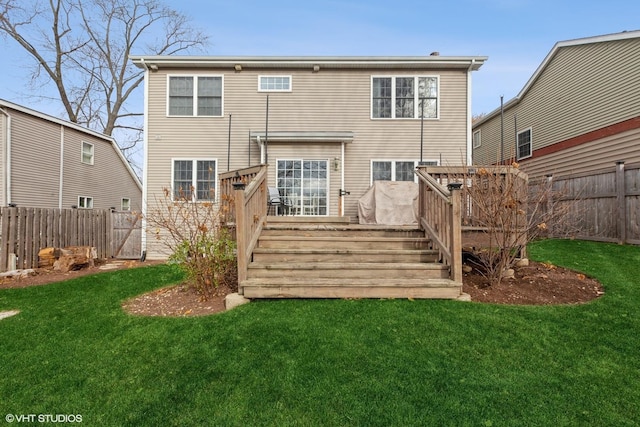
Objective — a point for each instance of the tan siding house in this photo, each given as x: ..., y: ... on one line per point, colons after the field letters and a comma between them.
x: 333, y: 124
x: 579, y: 112
x: 52, y: 163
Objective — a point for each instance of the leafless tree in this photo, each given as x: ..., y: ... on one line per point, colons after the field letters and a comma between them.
x: 82, y: 47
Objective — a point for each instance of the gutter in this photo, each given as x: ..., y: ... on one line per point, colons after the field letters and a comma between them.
x: 7, y: 183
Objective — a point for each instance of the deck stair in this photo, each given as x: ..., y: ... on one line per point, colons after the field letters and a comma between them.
x: 322, y: 257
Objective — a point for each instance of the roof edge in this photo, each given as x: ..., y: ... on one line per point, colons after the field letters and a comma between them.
x: 624, y: 35
x: 309, y: 61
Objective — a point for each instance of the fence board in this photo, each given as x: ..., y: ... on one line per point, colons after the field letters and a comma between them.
x: 605, y: 204
x: 24, y: 231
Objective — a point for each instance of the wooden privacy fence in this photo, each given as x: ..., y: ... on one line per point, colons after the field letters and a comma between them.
x: 24, y: 231
x: 602, y: 206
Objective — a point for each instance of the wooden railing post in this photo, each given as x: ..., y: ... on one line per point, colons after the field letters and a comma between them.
x: 455, y: 239
x: 241, y: 238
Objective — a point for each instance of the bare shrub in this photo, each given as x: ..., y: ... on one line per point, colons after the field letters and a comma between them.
x: 197, y: 239
x: 509, y: 215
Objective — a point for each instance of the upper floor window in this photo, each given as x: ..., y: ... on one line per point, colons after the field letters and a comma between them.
x: 395, y: 170
x: 274, y: 83
x: 194, y: 179
x: 87, y: 153
x: 404, y: 97
x: 195, y: 96
x: 125, y: 204
x: 477, y: 142
x: 524, y: 144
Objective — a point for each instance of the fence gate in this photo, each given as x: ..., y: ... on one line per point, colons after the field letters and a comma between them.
x: 126, y: 232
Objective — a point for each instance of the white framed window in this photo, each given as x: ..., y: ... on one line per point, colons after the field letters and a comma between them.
x: 405, y: 97
x: 477, y: 141
x: 396, y: 170
x: 524, y: 142
x: 274, y: 83
x: 85, y: 202
x: 194, y: 179
x: 87, y: 153
x: 190, y: 96
x: 125, y: 204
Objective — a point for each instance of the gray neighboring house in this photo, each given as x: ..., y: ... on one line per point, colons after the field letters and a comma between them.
x: 47, y: 162
x: 335, y: 124
x: 578, y: 113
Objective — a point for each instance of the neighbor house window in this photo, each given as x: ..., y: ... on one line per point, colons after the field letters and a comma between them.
x: 274, y: 83
x: 85, y: 202
x: 87, y: 153
x: 524, y: 144
x: 395, y: 170
x: 195, y: 96
x: 477, y: 142
x: 404, y: 97
x: 125, y: 204
x: 194, y: 179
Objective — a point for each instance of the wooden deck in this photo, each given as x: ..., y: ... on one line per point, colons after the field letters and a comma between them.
x: 327, y: 257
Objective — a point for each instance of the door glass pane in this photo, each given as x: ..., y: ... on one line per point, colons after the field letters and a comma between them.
x: 289, y: 181
x: 304, y: 185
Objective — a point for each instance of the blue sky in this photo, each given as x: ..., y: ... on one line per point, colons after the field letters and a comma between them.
x: 516, y: 35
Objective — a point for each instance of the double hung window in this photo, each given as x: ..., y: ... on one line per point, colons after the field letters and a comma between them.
x: 195, y: 96
x: 395, y: 170
x: 404, y: 97
x: 524, y: 144
x: 87, y: 153
x: 477, y: 141
x: 194, y: 179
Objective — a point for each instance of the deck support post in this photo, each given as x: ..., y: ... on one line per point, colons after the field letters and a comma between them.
x: 241, y: 239
x: 456, y: 233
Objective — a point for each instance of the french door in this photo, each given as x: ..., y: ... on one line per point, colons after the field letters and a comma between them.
x: 304, y: 184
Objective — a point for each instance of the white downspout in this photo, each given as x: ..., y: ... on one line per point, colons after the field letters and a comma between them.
x: 469, y: 115
x: 145, y: 160
x: 341, y: 213
x: 7, y: 181
x: 61, y: 187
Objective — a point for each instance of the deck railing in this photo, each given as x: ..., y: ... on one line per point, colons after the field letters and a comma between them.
x: 440, y: 217
x: 494, y: 176
x: 244, y: 197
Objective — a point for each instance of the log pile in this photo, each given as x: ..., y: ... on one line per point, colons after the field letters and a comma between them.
x: 67, y: 259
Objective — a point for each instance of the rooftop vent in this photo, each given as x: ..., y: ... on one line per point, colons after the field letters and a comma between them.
x: 436, y: 53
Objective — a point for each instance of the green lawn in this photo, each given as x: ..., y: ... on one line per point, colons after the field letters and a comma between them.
x: 72, y: 350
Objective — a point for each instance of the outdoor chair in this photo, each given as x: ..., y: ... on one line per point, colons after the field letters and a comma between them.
x: 277, y: 203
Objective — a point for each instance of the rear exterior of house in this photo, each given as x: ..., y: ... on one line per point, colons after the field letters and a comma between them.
x: 578, y: 113
x: 46, y: 162
x: 328, y: 127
